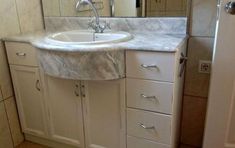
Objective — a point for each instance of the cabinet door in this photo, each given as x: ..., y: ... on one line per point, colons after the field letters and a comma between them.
x: 104, y: 114
x: 65, y: 111
x: 29, y: 99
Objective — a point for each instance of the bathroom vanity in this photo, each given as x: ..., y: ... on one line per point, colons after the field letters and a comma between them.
x: 127, y: 95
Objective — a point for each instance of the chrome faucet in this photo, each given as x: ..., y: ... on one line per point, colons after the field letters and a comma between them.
x: 94, y: 25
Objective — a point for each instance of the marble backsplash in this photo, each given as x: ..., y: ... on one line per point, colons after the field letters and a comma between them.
x: 168, y: 25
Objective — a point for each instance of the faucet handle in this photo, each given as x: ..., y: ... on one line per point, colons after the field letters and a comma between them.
x: 108, y: 25
x: 105, y: 26
x: 90, y: 23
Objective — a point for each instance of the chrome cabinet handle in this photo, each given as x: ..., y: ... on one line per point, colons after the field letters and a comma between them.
x: 148, y: 97
x: 146, y: 127
x: 21, y: 54
x: 77, y: 90
x: 76, y: 93
x: 149, y: 66
x: 37, y: 85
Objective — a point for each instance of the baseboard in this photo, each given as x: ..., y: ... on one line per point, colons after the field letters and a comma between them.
x: 46, y: 142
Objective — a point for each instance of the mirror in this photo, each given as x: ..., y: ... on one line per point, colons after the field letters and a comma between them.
x: 117, y: 8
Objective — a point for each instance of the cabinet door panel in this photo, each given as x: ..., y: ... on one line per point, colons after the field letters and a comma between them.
x: 104, y: 114
x: 29, y: 99
x: 65, y: 111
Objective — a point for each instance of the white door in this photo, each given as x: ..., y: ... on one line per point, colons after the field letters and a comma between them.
x: 220, y: 122
x: 64, y: 105
x: 104, y: 114
x: 29, y: 99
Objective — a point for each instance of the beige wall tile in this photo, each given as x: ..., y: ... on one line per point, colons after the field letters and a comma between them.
x: 5, y: 79
x: 51, y: 7
x: 12, y: 114
x: 193, y: 120
x: 8, y: 16
x: 197, y: 84
x: 5, y: 136
x: 67, y: 8
x: 203, y: 18
x: 30, y: 15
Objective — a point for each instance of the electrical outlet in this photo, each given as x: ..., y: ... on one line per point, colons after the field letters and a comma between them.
x: 204, y: 66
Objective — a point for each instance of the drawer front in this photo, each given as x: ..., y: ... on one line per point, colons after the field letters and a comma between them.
x: 133, y: 142
x: 21, y: 54
x: 149, y: 95
x: 150, y: 65
x: 148, y: 125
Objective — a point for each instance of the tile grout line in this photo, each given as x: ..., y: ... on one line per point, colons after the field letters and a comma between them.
x: 199, y: 97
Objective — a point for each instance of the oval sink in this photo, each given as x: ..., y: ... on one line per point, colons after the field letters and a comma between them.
x: 78, y: 37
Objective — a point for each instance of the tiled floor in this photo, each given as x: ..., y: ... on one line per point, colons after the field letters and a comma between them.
x: 27, y: 144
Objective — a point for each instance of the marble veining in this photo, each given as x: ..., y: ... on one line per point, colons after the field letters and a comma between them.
x: 103, y: 61
x: 106, y: 65
x: 161, y: 25
x: 145, y: 41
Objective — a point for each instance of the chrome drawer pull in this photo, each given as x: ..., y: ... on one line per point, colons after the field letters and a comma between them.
x: 146, y: 127
x: 148, y: 97
x: 21, y: 54
x: 149, y: 66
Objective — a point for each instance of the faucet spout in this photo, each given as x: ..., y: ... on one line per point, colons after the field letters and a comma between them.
x: 90, y: 3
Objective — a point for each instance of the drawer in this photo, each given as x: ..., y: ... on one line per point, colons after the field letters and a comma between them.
x: 149, y: 95
x: 133, y: 142
x: 148, y: 125
x: 150, y: 65
x: 21, y: 54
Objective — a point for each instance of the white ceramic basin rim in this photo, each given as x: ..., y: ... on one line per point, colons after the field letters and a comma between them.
x: 79, y: 37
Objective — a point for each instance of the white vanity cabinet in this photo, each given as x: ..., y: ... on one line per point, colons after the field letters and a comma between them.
x: 104, y: 114
x: 28, y: 90
x: 141, y: 110
x: 154, y: 96
x: 65, y: 113
x: 64, y: 105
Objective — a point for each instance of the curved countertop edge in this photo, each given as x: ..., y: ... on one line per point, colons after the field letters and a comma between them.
x: 142, y: 41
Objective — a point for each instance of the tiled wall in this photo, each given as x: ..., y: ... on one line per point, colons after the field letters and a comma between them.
x: 16, y: 16
x: 67, y: 8
x: 200, y: 47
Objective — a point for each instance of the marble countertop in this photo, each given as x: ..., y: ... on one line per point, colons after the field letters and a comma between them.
x: 143, y: 41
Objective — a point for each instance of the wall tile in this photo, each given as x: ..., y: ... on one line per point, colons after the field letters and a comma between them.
x: 193, y: 120
x: 9, y: 19
x: 203, y: 18
x: 30, y: 15
x: 5, y: 79
x: 5, y: 136
x: 197, y: 84
x: 12, y: 114
x: 51, y: 7
x: 67, y: 8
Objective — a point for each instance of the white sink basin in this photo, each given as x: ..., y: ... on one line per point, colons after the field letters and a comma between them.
x: 79, y: 37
